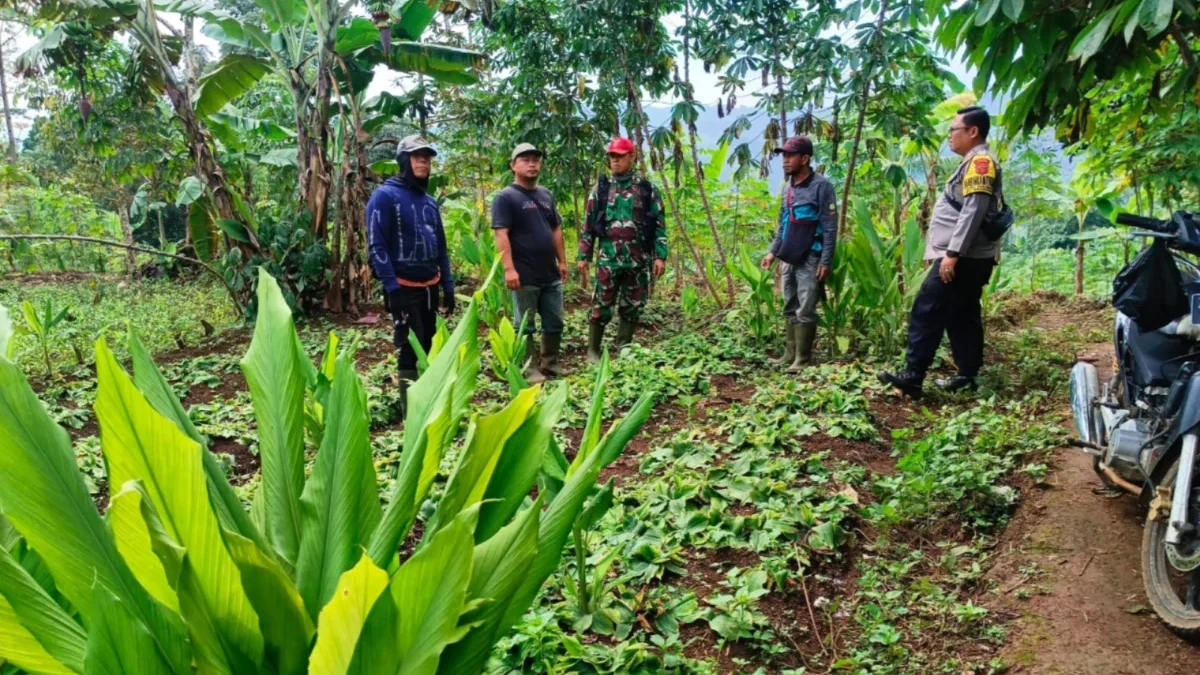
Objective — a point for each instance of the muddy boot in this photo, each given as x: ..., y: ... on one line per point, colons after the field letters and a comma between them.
x: 624, y: 334
x: 533, y: 374
x: 551, y: 344
x: 407, y: 377
x: 789, y: 349
x: 806, y: 335
x: 595, y: 337
x: 957, y: 383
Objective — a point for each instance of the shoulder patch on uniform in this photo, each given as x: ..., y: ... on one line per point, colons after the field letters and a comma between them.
x: 980, y: 176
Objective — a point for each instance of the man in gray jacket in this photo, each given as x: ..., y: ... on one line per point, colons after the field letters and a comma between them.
x: 804, y: 240
x: 962, y: 258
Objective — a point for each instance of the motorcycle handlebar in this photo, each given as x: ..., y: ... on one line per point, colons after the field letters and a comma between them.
x: 1152, y: 224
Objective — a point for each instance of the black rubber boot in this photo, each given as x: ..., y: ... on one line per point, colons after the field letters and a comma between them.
x: 789, y: 349
x: 595, y: 337
x: 956, y: 384
x: 551, y: 345
x: 910, y: 382
x: 624, y: 334
x: 533, y: 373
x: 407, y: 377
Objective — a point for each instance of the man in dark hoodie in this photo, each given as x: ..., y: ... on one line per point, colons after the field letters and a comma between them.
x: 408, y: 253
x: 804, y: 241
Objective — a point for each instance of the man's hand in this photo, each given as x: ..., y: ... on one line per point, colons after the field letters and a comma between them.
x: 512, y: 280
x: 946, y: 270
x: 448, y: 303
x: 562, y: 271
x: 660, y: 266
x: 822, y: 272
x: 582, y: 266
x: 767, y: 261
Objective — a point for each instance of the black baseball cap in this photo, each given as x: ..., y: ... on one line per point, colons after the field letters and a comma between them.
x: 797, y: 144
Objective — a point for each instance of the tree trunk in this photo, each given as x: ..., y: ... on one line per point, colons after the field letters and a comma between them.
x: 662, y: 178
x: 12, y: 140
x: 862, y: 116
x: 932, y: 185
x: 1079, y: 267
x: 189, y: 48
x: 127, y: 238
x: 162, y: 230
x: 699, y: 168
x: 783, y: 130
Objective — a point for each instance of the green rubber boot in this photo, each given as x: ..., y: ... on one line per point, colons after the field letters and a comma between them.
x: 806, y: 335
x: 533, y: 373
x: 789, y: 349
x: 407, y: 377
x: 595, y: 337
x: 551, y: 345
x: 624, y: 334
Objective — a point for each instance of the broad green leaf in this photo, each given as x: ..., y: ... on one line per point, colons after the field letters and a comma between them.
x: 281, y: 157
x: 498, y: 571
x: 276, y: 381
x: 19, y: 648
x: 118, y: 644
x: 429, y: 590
x: 281, y: 13
x: 359, y: 34
x: 987, y: 9
x: 449, y: 65
x: 189, y: 191
x: 591, y: 432
x: 134, y: 541
x: 141, y: 444
x: 43, y: 495
x: 1013, y: 8
x: 230, y: 512
x: 562, y: 513
x: 1090, y: 39
x: 415, y: 16
x: 234, y: 230
x: 436, y: 403
x: 1155, y: 15
x: 518, y: 465
x: 49, y: 626
x: 287, y: 628
x: 340, y: 505
x: 8, y: 346
x: 31, y: 318
x: 476, y: 463
x: 341, y: 621
x: 232, y: 76
x: 202, y: 225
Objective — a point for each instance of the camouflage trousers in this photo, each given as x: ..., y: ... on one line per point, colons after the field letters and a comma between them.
x: 625, y: 288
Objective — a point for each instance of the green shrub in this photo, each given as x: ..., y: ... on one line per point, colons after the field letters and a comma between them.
x: 177, y: 574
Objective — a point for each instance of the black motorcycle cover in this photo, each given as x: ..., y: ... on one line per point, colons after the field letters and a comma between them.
x: 1150, y: 289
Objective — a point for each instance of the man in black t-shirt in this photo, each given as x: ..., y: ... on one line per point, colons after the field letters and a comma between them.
x: 530, y: 240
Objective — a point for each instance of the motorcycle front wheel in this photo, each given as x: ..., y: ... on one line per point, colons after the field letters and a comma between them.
x: 1174, y: 595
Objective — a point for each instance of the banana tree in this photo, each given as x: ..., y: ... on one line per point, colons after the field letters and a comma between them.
x: 178, y: 577
x: 71, y: 23
x: 326, y: 76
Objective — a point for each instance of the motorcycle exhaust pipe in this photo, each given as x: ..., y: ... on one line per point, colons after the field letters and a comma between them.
x: 1085, y: 391
x: 1115, y: 479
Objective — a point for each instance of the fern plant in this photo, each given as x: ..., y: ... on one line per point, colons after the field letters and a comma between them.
x: 177, y: 577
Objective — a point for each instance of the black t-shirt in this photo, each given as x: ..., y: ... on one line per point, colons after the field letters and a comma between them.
x: 530, y: 218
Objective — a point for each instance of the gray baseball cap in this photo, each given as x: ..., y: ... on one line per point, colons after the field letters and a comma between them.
x: 411, y: 144
x: 525, y: 148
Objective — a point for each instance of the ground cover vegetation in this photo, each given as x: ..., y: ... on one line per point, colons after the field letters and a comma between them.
x: 203, y: 465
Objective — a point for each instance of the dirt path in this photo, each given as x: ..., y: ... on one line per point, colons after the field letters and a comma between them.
x: 1075, y: 555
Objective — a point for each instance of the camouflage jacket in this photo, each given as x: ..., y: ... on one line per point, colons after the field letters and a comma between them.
x: 625, y: 244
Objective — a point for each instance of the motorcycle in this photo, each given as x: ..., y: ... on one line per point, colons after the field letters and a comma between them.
x: 1142, y: 426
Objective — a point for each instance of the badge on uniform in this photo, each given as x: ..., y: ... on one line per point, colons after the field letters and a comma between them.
x: 980, y: 176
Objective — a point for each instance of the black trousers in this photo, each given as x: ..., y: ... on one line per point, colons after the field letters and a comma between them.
x: 413, y: 309
x: 953, y: 309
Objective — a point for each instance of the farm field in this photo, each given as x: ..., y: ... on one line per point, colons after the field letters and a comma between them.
x: 760, y: 522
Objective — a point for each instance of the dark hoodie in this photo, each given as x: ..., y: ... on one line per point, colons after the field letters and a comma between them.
x: 405, y: 234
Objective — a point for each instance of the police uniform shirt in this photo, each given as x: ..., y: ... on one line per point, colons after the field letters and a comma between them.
x: 972, y: 192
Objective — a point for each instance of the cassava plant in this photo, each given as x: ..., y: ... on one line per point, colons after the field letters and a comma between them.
x: 178, y: 577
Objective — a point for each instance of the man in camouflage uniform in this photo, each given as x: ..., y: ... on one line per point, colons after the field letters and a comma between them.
x: 625, y: 225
